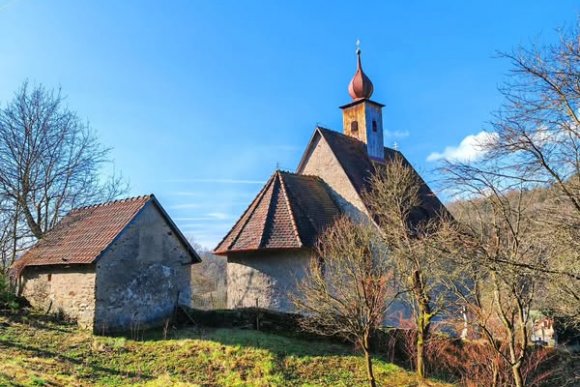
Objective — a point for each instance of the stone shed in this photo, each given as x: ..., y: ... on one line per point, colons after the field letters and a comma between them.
x: 114, y: 266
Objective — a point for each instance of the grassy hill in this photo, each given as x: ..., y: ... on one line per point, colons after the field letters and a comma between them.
x: 39, y: 352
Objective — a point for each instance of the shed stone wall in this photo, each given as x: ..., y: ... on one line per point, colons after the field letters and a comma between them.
x: 142, y: 276
x: 59, y: 289
x: 265, y: 278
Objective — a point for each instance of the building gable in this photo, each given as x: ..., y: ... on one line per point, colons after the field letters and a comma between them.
x: 344, y: 164
x: 143, y: 275
x: 320, y: 159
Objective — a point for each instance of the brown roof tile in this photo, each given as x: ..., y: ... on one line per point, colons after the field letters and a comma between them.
x: 289, y: 212
x: 84, y: 233
x: 359, y: 167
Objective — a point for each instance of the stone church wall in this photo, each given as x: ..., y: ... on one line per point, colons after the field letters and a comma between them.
x: 64, y: 290
x: 142, y: 276
x: 265, y: 279
x: 322, y: 162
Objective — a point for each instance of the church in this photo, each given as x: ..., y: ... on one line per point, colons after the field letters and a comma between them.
x: 269, y: 248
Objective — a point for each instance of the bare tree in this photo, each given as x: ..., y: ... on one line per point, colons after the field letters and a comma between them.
x: 537, y: 140
x: 347, y: 291
x: 51, y: 162
x: 538, y: 126
x: 409, y: 232
x: 208, y: 279
x: 499, y: 245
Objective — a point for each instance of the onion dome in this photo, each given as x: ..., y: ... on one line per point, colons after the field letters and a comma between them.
x: 360, y: 87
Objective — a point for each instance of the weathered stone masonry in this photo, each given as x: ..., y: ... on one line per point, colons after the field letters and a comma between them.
x: 266, y: 279
x: 67, y: 290
x: 142, y: 276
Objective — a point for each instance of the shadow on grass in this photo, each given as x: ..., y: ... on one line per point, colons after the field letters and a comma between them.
x: 291, y: 344
x: 41, y: 321
x: 37, y: 352
x: 284, y: 344
x: 279, y: 332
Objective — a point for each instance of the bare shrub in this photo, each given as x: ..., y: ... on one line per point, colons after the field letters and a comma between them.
x: 348, y: 289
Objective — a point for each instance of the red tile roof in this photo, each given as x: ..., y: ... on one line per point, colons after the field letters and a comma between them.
x: 84, y: 233
x: 288, y: 213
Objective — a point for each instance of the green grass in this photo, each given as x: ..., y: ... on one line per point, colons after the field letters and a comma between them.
x: 37, y: 352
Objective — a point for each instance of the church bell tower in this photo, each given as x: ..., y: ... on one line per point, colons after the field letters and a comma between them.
x: 363, y: 118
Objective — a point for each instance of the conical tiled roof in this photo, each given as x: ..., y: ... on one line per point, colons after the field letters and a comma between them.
x: 288, y: 213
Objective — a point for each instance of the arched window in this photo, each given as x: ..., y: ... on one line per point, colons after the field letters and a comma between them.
x: 374, y: 126
x: 354, y: 126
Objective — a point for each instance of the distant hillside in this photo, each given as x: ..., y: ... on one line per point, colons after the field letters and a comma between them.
x: 37, y: 352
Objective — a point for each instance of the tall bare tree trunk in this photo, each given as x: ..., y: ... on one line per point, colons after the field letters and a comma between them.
x: 422, y: 330
x: 369, y: 362
x: 423, y: 323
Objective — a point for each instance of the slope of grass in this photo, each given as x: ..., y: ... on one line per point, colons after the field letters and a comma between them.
x: 38, y: 352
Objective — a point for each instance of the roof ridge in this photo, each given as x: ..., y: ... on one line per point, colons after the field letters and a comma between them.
x: 257, y: 201
x: 290, y: 210
x: 299, y: 175
x: 269, y: 213
x: 67, y: 229
x: 306, y: 213
x: 115, y: 201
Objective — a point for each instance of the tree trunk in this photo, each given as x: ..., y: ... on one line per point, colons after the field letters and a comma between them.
x: 369, y: 362
x: 34, y: 227
x: 423, y: 323
x: 495, y: 374
x: 420, y: 362
x: 517, y: 374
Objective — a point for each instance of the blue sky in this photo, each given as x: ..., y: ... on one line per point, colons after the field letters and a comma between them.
x: 201, y: 101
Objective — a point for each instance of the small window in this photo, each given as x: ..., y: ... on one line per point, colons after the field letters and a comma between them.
x: 354, y: 126
x: 49, y: 277
x: 374, y: 126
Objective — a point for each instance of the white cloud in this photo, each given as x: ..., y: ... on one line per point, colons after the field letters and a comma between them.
x: 544, y: 136
x: 218, y: 215
x: 186, y: 193
x: 212, y: 216
x: 217, y: 181
x: 397, y: 133
x: 471, y: 148
x: 185, y: 206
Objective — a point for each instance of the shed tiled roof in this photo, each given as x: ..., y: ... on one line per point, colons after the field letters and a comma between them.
x: 288, y: 213
x: 84, y: 233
